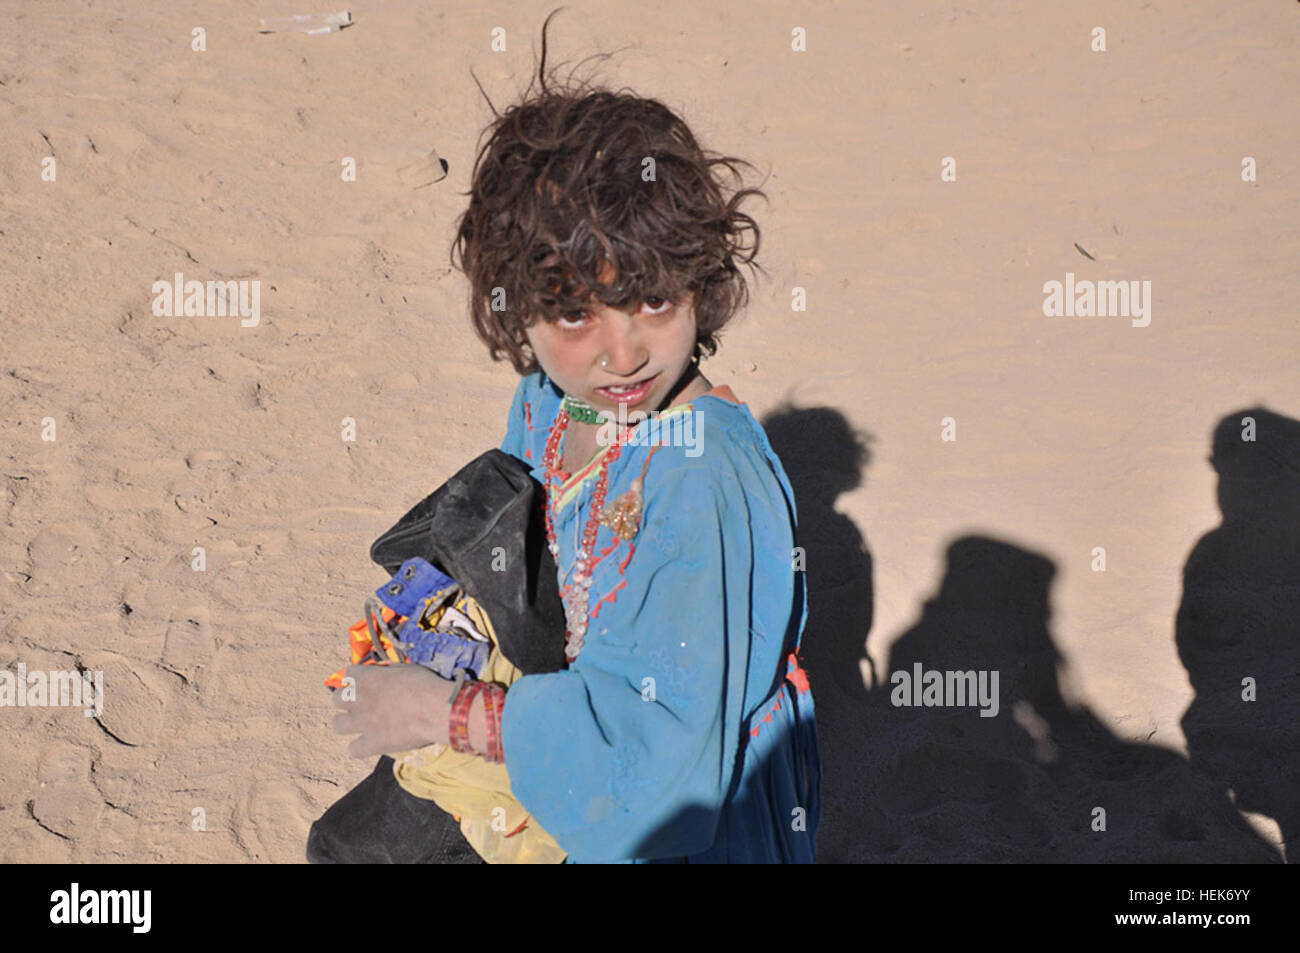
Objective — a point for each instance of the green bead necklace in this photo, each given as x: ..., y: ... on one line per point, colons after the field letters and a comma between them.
x: 580, y: 410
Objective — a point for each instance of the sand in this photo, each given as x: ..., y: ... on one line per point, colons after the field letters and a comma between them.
x: 924, y: 302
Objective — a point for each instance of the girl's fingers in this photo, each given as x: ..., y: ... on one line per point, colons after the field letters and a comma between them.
x: 359, y: 671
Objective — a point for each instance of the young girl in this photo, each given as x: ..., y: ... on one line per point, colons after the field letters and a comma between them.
x: 602, y: 255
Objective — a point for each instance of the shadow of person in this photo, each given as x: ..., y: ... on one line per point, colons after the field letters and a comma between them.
x: 928, y: 784
x: 1238, y: 625
x: 1017, y: 774
x: 824, y: 457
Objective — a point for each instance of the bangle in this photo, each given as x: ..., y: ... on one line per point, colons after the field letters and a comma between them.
x: 494, y: 701
x: 458, y: 719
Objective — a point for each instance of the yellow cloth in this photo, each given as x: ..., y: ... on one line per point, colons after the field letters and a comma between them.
x: 474, y: 790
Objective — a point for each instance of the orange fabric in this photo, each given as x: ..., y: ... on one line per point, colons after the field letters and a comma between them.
x: 359, y: 644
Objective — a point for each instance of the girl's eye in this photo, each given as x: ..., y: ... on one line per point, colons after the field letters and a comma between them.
x: 575, y: 320
x: 572, y: 316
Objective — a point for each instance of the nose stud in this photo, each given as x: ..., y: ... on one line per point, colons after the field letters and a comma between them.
x: 604, y: 360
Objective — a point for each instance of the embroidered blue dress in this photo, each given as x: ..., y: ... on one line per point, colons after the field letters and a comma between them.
x: 684, y: 730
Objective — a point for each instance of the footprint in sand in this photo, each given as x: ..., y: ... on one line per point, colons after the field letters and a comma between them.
x: 136, y: 696
x: 60, y: 553
x: 18, y: 488
x: 32, y: 844
x: 273, y: 820
x: 121, y: 776
x: 65, y: 802
x: 189, y: 644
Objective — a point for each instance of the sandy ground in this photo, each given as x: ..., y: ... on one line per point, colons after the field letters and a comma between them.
x: 924, y: 302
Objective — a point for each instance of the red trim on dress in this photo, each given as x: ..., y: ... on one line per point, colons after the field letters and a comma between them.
x: 607, y: 597
x: 797, y: 677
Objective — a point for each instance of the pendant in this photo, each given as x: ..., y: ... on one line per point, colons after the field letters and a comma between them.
x: 623, y: 516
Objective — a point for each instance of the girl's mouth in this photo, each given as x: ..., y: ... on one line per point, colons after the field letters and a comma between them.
x: 628, y: 396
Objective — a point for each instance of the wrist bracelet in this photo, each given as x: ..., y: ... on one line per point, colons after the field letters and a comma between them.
x: 458, y: 719
x: 494, y: 698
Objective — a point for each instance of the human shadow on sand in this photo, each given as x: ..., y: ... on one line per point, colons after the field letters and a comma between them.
x: 1238, y: 626
x: 943, y: 784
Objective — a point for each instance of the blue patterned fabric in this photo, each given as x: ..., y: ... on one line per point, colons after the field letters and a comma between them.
x: 675, y: 735
x: 416, y: 585
x: 415, y: 581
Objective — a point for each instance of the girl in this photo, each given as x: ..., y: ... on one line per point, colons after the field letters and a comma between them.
x: 601, y: 254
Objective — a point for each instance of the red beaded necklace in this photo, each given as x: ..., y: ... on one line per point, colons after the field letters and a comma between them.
x: 574, y: 593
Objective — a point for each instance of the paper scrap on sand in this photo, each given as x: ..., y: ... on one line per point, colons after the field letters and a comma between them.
x: 432, y: 168
x: 309, y: 23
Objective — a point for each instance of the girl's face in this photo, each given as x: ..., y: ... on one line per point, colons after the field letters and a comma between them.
x: 651, y: 343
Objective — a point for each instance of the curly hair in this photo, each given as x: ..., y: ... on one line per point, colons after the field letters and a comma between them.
x: 577, y: 183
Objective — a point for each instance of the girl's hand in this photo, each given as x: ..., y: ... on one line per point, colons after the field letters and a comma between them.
x: 393, y: 707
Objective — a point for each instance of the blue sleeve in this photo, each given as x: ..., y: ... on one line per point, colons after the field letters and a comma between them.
x: 631, y: 751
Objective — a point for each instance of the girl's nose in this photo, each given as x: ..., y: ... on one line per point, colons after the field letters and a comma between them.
x: 617, y: 363
x: 611, y: 365
x: 622, y: 354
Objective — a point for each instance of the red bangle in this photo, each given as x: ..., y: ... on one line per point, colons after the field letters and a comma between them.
x: 494, y: 700
x: 458, y: 720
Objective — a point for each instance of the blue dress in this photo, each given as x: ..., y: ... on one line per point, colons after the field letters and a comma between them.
x: 684, y: 730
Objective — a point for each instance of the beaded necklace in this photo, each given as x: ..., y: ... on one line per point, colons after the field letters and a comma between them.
x: 623, y: 518
x: 580, y: 410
